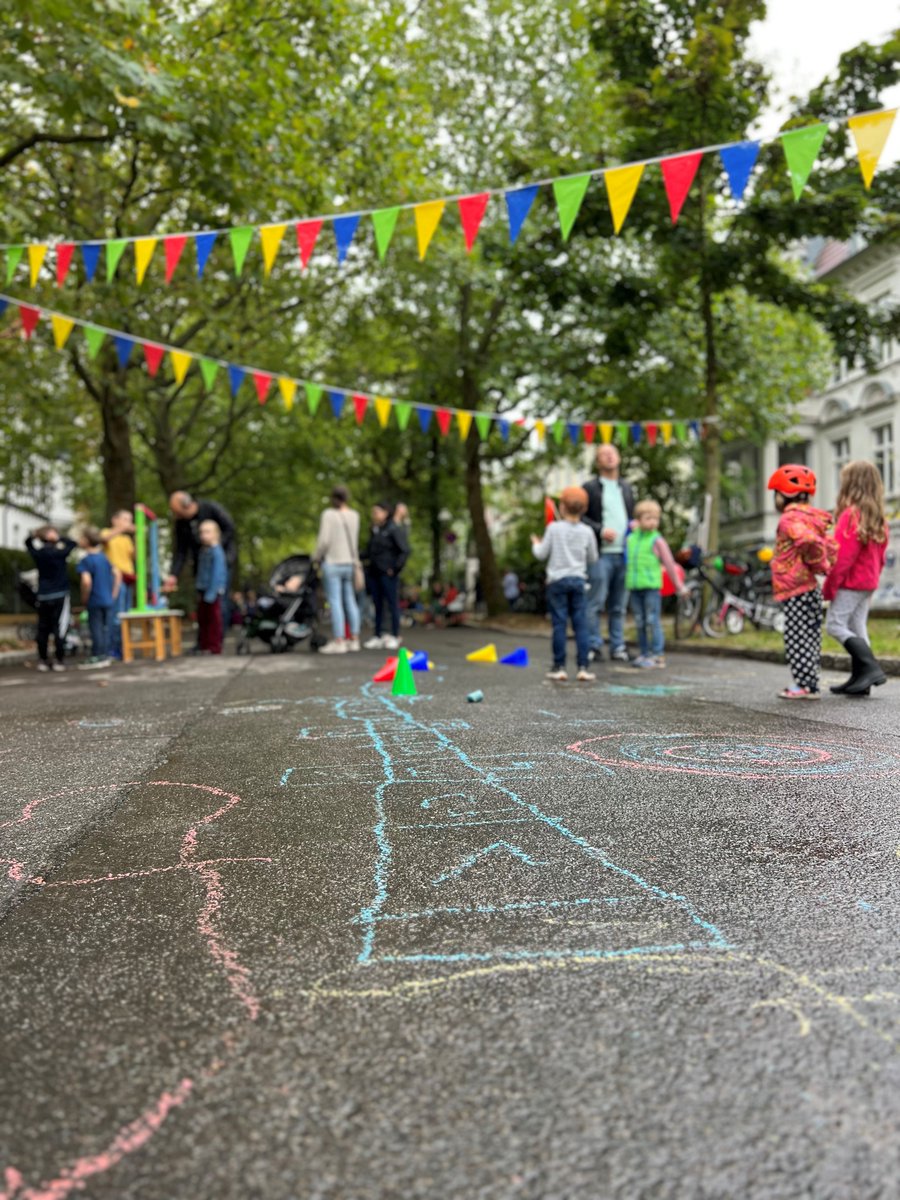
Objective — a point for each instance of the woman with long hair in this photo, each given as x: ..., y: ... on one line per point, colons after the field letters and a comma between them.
x: 337, y: 550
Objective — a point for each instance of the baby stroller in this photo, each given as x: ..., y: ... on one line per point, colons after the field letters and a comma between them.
x: 289, y: 615
x: 26, y: 586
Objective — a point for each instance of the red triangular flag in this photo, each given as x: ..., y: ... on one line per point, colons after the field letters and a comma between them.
x: 589, y: 430
x: 307, y: 232
x: 262, y: 381
x: 678, y: 175
x: 360, y: 403
x: 471, y: 213
x: 173, y: 246
x: 154, y: 356
x: 443, y: 417
x: 651, y: 429
x: 64, y: 252
x: 29, y: 317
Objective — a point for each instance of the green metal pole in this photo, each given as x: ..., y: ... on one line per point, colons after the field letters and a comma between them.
x: 140, y: 559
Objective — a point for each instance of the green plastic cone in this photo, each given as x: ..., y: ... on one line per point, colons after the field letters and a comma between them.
x: 404, y: 684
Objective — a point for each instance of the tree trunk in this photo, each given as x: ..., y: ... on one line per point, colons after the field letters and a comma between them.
x: 115, y: 454
x: 488, y: 573
x: 712, y: 441
x: 434, y: 506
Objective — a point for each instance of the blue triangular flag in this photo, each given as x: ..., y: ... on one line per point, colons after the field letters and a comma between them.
x: 574, y: 432
x: 204, y: 243
x: 123, y: 347
x: 344, y: 229
x: 636, y: 430
x: 738, y: 161
x: 504, y: 429
x: 90, y: 253
x: 337, y: 402
x: 4, y: 304
x: 516, y: 658
x: 695, y: 429
x: 235, y: 378
x: 518, y: 206
x: 424, y: 415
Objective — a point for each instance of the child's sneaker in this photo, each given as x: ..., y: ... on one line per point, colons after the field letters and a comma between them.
x: 57, y: 666
x: 585, y: 676
x: 658, y: 661
x: 643, y: 662
x: 558, y: 675
x: 43, y: 666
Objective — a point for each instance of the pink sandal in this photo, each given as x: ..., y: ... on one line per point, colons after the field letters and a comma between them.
x: 798, y: 693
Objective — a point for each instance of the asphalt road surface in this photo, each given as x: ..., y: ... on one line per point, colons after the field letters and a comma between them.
x: 266, y: 931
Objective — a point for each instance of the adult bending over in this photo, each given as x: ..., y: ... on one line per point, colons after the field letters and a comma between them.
x: 337, y: 550
x: 189, y: 515
x: 386, y: 556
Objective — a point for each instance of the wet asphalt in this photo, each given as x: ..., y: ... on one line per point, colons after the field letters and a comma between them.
x: 267, y: 931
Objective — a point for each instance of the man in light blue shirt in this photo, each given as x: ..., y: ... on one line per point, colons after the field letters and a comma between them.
x: 610, y: 509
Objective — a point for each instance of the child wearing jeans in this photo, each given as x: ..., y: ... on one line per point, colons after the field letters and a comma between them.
x: 50, y: 552
x: 100, y: 583
x: 803, y: 551
x: 646, y: 553
x: 569, y: 546
x: 212, y: 580
x: 862, y: 537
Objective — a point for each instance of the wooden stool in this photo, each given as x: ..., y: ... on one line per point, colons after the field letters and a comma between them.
x: 159, y: 632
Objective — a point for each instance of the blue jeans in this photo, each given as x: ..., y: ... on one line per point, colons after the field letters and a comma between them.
x: 607, y: 591
x: 338, y: 578
x: 566, y: 601
x: 100, y: 621
x: 646, y: 604
x: 121, y: 604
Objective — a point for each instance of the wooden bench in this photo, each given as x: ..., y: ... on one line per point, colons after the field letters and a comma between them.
x: 158, y: 633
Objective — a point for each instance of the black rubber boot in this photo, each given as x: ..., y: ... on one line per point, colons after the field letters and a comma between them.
x: 870, y: 673
x: 855, y: 668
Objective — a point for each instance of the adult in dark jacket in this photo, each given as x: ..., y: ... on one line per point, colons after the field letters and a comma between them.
x: 50, y: 552
x: 189, y: 514
x: 609, y: 513
x: 385, y: 557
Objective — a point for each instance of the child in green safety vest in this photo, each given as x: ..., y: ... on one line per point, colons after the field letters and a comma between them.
x: 646, y: 553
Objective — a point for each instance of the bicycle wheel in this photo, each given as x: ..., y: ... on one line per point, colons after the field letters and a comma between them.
x: 715, y: 621
x: 687, y: 610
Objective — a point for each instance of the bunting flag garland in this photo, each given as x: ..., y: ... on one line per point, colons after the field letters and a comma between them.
x: 344, y: 229
x: 518, y: 206
x: 621, y: 185
x: 114, y: 251
x: 173, y: 247
x: 270, y: 237
x: 801, y: 148
x: 569, y: 194
x: 13, y: 258
x: 90, y: 256
x: 384, y: 221
x: 471, y: 214
x: 678, y: 174
x: 203, y: 244
x: 739, y: 161
x: 307, y: 232
x: 36, y: 256
x: 143, y: 252
x: 870, y: 133
x: 427, y: 217
x: 240, y: 239
x: 484, y: 423
x: 64, y: 253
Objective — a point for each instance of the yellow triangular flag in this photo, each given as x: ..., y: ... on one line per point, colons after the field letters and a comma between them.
x: 606, y: 432
x: 143, y: 252
x: 288, y: 389
x: 464, y: 421
x: 270, y: 236
x: 870, y: 133
x: 621, y: 184
x: 62, y: 327
x: 36, y: 256
x: 180, y: 363
x: 383, y: 408
x: 666, y: 428
x: 487, y: 654
x: 540, y: 428
x: 428, y: 217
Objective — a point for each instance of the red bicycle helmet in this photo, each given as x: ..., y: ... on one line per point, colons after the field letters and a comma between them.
x: 793, y: 479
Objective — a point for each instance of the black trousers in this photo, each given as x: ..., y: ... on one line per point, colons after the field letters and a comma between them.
x: 386, y: 591
x: 53, y: 617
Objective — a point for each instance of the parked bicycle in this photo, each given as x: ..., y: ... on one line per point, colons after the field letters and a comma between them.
x: 738, y: 591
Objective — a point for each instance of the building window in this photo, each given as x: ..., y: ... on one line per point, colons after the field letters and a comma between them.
x: 840, y: 452
x: 883, y: 439
x: 793, y: 452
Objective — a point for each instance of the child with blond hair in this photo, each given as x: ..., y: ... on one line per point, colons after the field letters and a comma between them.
x: 646, y: 554
x: 212, y: 580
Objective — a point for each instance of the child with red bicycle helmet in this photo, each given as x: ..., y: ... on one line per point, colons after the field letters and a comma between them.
x: 804, y: 550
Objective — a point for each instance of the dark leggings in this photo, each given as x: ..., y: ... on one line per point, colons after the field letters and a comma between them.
x: 53, y: 617
x: 385, y: 590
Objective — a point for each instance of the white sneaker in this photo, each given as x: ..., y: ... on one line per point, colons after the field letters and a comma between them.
x: 57, y: 666
x: 353, y: 644
x: 42, y: 666
x: 335, y: 646
x: 558, y: 676
x: 585, y: 676
x: 374, y: 643
x: 391, y: 643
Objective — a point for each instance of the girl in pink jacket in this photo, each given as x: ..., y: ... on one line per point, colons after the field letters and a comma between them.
x: 862, y: 536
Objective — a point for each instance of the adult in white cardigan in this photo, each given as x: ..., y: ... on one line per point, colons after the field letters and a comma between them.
x: 338, y: 551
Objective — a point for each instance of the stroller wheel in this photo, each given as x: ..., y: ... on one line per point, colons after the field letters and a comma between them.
x: 278, y: 643
x: 242, y: 645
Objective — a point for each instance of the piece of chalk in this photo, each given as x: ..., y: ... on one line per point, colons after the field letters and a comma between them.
x: 475, y: 697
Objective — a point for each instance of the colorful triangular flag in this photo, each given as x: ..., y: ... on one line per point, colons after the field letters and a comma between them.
x: 870, y: 132
x: 360, y: 404
x: 540, y: 428
x: 62, y: 327
x: 384, y: 221
x: 464, y: 421
x: 483, y: 423
x: 36, y: 255
x: 90, y: 256
x: 678, y: 174
x: 428, y: 217
x: 204, y: 243
x: 443, y: 416
x: 181, y: 361
x: 270, y: 238
x: 569, y: 193
x: 307, y: 232
x: 402, y: 412
x: 621, y: 185
x: 123, y: 347
x: 64, y: 253
x: 801, y: 148
x: 666, y: 430
x: 383, y: 408
x: 344, y: 229
x: 652, y: 431
x: 114, y: 252
x: 504, y: 428
x: 240, y: 239
x: 173, y: 248
x: 336, y: 400
x: 235, y: 378
x: 590, y: 430
x: 606, y: 433
x: 574, y: 431
x: 13, y: 258
x: 143, y: 252
x: 518, y: 206
x: 471, y: 214
x: 262, y: 381
x: 94, y: 338
x: 29, y: 316
x: 424, y: 415
x: 739, y: 161
x: 153, y: 355
x: 313, y: 397
x: 209, y: 369
x: 288, y: 389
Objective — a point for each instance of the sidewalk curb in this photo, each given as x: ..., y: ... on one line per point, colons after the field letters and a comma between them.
x: 15, y: 658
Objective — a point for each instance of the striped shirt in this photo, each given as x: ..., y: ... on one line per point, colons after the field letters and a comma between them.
x: 568, y: 547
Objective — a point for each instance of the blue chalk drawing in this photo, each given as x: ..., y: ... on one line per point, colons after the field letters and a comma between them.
x: 466, y: 928
x: 286, y: 776
x: 471, y: 859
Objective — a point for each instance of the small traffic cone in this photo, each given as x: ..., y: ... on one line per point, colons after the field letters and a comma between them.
x: 386, y: 673
x: 487, y: 654
x: 419, y: 661
x: 517, y: 658
x: 404, y: 684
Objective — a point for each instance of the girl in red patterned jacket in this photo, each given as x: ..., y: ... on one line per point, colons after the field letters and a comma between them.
x: 862, y: 537
x: 803, y: 551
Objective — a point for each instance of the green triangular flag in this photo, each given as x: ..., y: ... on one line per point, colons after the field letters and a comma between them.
x: 114, y: 251
x: 94, y: 338
x: 240, y: 239
x: 384, y: 220
x: 484, y: 423
x: 404, y: 684
x: 559, y: 431
x: 209, y: 370
x: 13, y: 258
x: 569, y: 194
x: 680, y: 431
x: 622, y: 432
x: 402, y: 412
x: 800, y: 149
x: 313, y: 396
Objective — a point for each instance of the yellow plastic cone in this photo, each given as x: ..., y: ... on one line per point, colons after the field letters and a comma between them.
x: 487, y: 654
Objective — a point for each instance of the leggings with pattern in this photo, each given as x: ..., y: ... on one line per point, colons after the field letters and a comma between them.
x: 803, y: 637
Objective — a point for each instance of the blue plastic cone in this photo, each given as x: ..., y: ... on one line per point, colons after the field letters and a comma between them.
x: 518, y: 658
x: 419, y: 661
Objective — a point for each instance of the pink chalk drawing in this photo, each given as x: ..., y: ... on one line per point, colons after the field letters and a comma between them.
x: 138, y: 1132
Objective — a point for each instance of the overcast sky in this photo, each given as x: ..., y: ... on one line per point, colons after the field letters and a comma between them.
x: 800, y: 42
